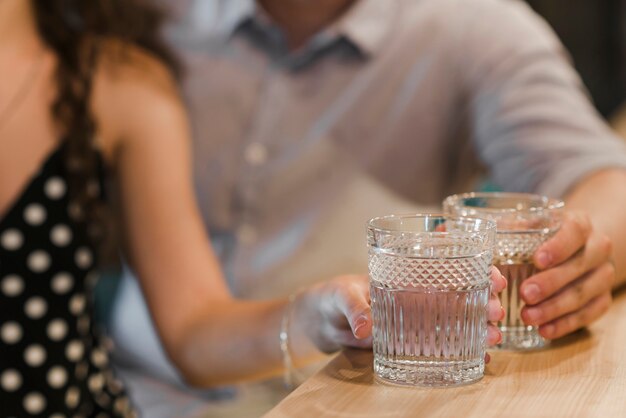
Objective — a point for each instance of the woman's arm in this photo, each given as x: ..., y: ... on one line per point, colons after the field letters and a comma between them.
x: 208, y: 335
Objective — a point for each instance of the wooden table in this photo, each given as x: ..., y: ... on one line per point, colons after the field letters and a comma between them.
x: 582, y: 375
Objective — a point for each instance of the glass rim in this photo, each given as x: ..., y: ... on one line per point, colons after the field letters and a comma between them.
x: 551, y: 204
x: 486, y: 225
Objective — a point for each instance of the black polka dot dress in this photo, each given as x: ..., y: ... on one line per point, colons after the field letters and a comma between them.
x: 52, y: 362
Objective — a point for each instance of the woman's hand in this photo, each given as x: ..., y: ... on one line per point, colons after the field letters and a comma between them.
x: 337, y: 313
x: 574, y: 287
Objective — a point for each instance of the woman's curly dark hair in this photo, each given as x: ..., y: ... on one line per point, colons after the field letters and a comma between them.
x: 74, y: 31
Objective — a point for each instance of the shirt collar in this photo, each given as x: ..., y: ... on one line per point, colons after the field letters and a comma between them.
x: 195, y: 22
x: 366, y: 24
x: 237, y: 12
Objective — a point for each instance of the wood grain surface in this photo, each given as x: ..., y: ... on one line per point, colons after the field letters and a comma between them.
x: 582, y: 375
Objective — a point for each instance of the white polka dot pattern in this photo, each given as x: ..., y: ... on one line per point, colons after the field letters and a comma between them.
x: 35, y: 355
x: 52, y: 361
x: 74, y: 350
x: 121, y: 404
x: 35, y: 214
x: 10, y: 380
x: 57, y: 377
x: 11, y: 240
x: 72, y: 397
x: 34, y: 403
x: 62, y: 283
x: 11, y: 332
x: 12, y: 285
x: 96, y: 382
x: 35, y: 307
x: 77, y: 304
x: 99, y: 358
x: 55, y: 188
x: 83, y: 258
x: 115, y: 386
x: 38, y: 261
x: 57, y: 329
x: 61, y: 235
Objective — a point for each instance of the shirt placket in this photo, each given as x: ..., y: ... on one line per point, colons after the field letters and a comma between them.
x: 256, y: 152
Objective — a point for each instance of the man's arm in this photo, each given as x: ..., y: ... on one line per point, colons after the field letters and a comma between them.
x: 581, y: 262
x: 603, y: 197
x: 537, y: 132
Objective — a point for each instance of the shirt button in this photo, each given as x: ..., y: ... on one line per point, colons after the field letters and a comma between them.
x: 247, y: 234
x: 255, y: 154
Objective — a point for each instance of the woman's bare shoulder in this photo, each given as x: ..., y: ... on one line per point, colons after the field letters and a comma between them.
x: 120, y: 62
x: 132, y: 87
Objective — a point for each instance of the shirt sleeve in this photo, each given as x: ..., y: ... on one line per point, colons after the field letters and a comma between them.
x: 532, y: 122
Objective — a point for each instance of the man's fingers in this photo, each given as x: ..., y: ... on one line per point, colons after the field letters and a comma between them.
x: 573, y: 297
x: 494, y: 308
x: 494, y: 335
x: 571, y: 237
x: 495, y: 311
x: 546, y: 283
x: 498, y: 281
x: 576, y: 320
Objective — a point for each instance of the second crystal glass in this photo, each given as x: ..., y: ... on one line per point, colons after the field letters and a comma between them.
x: 524, y: 222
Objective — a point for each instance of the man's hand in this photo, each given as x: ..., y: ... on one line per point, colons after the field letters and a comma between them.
x: 574, y: 287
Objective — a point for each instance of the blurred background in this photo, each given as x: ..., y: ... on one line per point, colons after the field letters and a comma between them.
x: 595, y: 34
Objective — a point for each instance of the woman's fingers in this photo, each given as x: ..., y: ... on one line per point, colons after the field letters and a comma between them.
x: 351, y: 297
x: 351, y: 307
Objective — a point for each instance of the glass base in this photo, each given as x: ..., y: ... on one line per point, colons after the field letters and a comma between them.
x: 521, y: 339
x: 428, y: 373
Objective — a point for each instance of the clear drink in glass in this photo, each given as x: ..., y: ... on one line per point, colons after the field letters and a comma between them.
x: 430, y: 284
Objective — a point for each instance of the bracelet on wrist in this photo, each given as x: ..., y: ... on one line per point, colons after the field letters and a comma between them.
x: 290, y: 375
